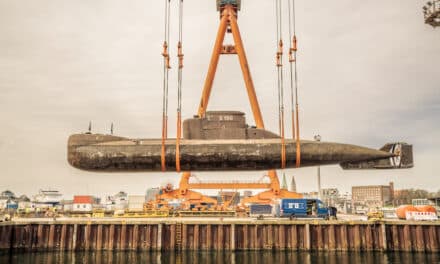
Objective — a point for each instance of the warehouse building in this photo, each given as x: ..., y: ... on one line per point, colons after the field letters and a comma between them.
x: 372, y: 196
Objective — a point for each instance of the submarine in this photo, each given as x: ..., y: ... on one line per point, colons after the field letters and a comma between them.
x: 222, y: 141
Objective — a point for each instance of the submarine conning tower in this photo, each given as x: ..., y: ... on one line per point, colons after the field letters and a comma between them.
x: 223, y: 125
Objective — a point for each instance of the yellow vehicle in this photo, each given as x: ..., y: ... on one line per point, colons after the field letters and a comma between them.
x: 51, y: 212
x: 21, y: 212
x: 142, y: 214
x: 98, y: 213
x: 5, y: 218
x: 375, y: 215
x: 206, y: 213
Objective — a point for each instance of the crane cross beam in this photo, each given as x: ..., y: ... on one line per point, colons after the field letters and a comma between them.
x: 235, y: 3
x: 229, y: 185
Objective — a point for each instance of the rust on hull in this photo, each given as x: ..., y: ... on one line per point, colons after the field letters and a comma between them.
x: 97, y: 152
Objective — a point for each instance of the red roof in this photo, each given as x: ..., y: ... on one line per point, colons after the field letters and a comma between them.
x: 82, y: 199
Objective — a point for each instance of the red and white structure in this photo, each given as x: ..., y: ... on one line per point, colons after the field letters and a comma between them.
x: 83, y: 203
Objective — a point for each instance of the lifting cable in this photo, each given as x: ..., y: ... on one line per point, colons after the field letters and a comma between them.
x: 279, y: 64
x: 166, y: 67
x: 294, y: 81
x: 179, y: 88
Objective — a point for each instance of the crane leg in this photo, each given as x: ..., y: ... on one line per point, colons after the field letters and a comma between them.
x: 213, y: 64
x: 246, y: 72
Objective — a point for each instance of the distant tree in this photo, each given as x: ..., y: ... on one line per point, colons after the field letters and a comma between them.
x: 436, y: 194
x: 406, y: 196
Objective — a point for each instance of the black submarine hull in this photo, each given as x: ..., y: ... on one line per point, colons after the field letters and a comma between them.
x: 98, y: 152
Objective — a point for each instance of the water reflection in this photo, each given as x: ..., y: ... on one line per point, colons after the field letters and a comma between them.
x: 243, y: 257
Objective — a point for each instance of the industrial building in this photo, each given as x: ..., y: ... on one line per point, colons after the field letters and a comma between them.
x: 372, y: 196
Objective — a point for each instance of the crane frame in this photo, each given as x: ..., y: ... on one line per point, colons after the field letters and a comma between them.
x: 228, y: 24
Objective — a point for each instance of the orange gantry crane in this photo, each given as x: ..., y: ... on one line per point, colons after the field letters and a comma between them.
x: 228, y: 24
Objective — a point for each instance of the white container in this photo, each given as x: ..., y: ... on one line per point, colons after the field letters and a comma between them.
x: 136, y: 202
x: 421, y: 216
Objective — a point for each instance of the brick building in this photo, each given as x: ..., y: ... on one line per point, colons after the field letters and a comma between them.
x: 372, y: 195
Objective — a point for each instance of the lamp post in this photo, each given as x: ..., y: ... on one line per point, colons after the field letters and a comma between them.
x: 318, y: 139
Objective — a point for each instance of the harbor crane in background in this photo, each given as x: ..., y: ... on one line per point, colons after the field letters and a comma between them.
x: 431, y: 12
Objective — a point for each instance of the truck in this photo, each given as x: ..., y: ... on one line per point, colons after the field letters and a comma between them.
x: 305, y: 208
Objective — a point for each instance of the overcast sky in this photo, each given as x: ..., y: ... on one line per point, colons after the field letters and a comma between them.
x: 368, y: 74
